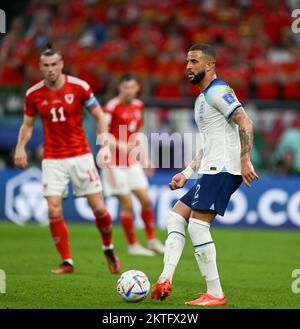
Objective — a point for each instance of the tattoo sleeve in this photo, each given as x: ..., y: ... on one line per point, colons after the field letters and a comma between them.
x: 241, y: 118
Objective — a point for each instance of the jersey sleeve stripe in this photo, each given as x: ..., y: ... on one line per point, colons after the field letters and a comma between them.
x: 35, y: 87
x: 232, y: 111
x: 79, y: 82
x: 112, y: 104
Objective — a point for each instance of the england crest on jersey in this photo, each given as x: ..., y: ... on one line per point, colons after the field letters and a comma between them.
x: 69, y: 98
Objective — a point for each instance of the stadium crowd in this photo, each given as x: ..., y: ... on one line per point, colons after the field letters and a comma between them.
x: 100, y: 40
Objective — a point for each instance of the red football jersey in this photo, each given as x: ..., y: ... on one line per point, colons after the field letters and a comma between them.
x: 61, y: 112
x: 124, y: 120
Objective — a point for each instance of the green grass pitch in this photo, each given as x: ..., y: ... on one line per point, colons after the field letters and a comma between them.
x: 255, y: 268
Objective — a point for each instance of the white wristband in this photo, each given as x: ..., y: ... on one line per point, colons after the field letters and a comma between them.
x: 187, y: 172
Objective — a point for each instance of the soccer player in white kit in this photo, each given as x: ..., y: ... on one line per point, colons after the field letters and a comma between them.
x: 224, y: 163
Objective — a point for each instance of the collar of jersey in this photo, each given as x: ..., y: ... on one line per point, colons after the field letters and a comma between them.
x: 213, y: 83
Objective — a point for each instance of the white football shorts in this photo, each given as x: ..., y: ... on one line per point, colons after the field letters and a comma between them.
x: 118, y: 181
x: 81, y: 170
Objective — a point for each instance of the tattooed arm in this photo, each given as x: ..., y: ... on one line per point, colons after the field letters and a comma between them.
x: 241, y: 118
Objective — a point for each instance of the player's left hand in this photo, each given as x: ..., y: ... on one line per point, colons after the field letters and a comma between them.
x: 104, y: 157
x: 248, y: 173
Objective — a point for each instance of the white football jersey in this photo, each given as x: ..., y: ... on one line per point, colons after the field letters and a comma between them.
x: 220, y: 136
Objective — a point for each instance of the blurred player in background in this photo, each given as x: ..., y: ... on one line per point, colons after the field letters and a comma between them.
x: 125, y: 175
x: 224, y: 163
x: 59, y: 99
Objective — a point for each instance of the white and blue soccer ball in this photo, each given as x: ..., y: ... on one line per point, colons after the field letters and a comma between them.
x: 133, y: 286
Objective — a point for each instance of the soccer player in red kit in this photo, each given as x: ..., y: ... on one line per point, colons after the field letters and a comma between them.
x: 125, y: 174
x: 59, y: 99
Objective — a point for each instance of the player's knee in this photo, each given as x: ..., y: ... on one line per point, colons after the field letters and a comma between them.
x: 176, y: 223
x: 99, y: 211
x: 54, y: 210
x: 127, y: 206
x: 146, y: 203
x: 127, y: 209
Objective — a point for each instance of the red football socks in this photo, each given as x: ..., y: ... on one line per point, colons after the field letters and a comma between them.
x: 60, y: 236
x: 148, y: 218
x: 128, y: 226
x: 104, y: 225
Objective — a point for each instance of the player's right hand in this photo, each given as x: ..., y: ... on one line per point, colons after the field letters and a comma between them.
x: 20, y: 158
x: 178, y: 181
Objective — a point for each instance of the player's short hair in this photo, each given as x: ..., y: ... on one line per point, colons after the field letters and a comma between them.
x: 128, y: 77
x: 49, y: 51
x: 206, y: 49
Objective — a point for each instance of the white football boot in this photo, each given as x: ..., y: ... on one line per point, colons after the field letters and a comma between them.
x: 138, y: 250
x: 157, y: 246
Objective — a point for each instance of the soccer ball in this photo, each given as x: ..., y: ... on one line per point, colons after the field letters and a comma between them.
x: 133, y: 286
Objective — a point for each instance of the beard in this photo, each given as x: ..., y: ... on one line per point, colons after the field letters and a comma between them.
x: 198, y: 78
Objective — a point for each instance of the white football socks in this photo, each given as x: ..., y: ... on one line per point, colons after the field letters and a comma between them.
x: 205, y: 254
x: 174, y: 244
x: 69, y: 260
